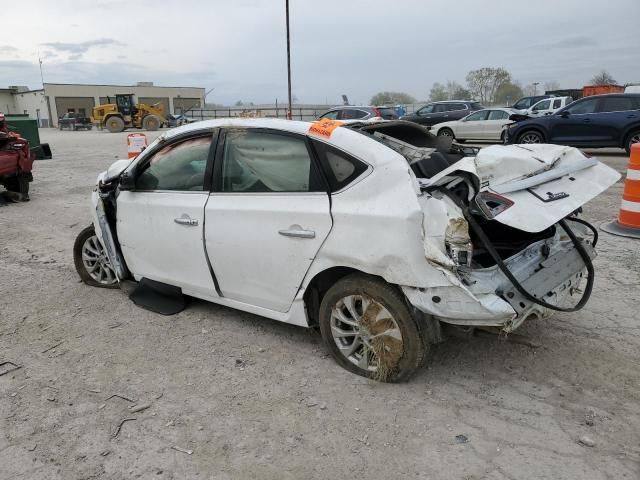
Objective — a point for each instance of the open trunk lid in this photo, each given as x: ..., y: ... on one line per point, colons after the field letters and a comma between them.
x: 531, y: 187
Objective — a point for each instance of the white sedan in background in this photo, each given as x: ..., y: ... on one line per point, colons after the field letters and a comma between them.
x: 373, y: 232
x: 487, y: 124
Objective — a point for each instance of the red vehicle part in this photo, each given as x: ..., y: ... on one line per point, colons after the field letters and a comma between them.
x: 16, y: 161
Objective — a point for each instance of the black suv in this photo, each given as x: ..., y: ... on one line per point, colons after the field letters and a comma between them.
x: 438, y: 112
x: 598, y: 121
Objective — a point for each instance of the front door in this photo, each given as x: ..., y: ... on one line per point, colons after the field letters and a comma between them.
x: 267, y: 217
x: 579, y: 126
x: 160, y: 223
x: 471, y: 126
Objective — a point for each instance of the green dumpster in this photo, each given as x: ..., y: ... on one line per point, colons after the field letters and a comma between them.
x: 28, y: 128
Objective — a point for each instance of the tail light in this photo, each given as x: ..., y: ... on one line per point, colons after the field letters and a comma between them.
x: 491, y: 204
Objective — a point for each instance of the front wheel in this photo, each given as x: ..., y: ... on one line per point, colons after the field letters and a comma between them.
x: 634, y: 137
x: 530, y: 137
x: 369, y: 330
x: 91, y: 261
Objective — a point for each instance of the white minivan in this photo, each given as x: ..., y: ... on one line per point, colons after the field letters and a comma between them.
x: 548, y: 106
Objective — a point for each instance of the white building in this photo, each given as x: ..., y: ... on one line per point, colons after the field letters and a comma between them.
x: 55, y: 99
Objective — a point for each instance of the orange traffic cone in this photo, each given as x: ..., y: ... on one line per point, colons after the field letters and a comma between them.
x: 628, y: 223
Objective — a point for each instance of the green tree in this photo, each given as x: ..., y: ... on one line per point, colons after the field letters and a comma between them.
x: 508, y: 93
x: 391, y: 98
x: 603, y: 78
x: 484, y: 82
x: 438, y: 92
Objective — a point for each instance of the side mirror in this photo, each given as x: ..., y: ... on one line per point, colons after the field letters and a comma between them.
x: 127, y: 182
x: 564, y: 114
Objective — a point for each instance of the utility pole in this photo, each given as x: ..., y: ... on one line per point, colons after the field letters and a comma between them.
x: 535, y: 87
x: 41, y: 76
x: 290, y: 111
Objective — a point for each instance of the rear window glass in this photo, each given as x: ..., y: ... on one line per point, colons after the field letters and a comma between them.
x: 387, y: 113
x: 617, y: 104
x: 457, y: 106
x: 339, y: 167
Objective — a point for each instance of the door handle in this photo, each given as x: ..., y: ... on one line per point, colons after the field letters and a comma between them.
x: 631, y: 116
x: 186, y: 220
x: 297, y: 232
x: 586, y: 120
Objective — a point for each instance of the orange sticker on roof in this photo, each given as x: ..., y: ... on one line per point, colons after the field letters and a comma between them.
x: 324, y: 128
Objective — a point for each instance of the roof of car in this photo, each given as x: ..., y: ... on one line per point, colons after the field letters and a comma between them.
x: 374, y: 152
x: 455, y: 101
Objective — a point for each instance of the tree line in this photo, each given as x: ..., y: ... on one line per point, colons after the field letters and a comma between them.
x: 487, y: 85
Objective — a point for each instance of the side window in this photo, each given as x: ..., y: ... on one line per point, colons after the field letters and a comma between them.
x: 557, y: 103
x: 352, y: 114
x: 440, y: 107
x: 523, y: 103
x: 584, y: 106
x: 616, y: 104
x: 339, y: 168
x: 498, y: 115
x: 543, y: 105
x: 259, y: 161
x: 427, y: 109
x: 180, y: 166
x: 457, y: 106
x: 474, y: 117
x: 333, y: 115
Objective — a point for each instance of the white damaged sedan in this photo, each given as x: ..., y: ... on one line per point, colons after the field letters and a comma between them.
x: 373, y: 232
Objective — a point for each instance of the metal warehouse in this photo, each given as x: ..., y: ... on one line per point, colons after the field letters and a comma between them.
x: 56, y: 99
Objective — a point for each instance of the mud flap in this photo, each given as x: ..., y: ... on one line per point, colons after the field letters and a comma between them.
x: 158, y: 297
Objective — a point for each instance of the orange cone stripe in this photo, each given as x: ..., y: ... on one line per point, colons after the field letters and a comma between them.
x: 631, y: 190
x: 629, y: 219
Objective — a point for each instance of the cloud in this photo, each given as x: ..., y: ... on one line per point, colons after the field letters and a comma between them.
x: 8, y: 48
x: 78, y: 49
x: 572, y: 42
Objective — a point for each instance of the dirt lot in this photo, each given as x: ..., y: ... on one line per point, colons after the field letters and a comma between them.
x: 252, y: 398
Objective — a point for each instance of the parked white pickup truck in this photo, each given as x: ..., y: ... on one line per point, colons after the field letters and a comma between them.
x: 548, y: 106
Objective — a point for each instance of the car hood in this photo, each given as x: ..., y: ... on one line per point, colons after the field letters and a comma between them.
x: 545, y: 182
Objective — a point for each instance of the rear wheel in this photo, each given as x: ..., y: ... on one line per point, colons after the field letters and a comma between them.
x: 446, y: 132
x: 115, y: 124
x: 91, y: 261
x: 634, y: 137
x: 530, y: 136
x: 151, y: 123
x: 368, y: 328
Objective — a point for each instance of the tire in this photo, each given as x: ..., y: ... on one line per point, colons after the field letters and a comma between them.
x: 151, y: 123
x: 115, y: 124
x: 358, y: 351
x: 446, y: 132
x: 633, y: 137
x: 19, y: 184
x: 530, y: 136
x: 87, y: 242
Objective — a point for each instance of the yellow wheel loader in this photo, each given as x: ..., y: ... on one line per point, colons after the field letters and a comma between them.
x: 125, y: 113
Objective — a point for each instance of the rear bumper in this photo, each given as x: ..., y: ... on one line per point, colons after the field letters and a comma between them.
x: 487, y: 298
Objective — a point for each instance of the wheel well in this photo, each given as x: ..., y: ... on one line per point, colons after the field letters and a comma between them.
x: 319, y: 285
x: 628, y: 133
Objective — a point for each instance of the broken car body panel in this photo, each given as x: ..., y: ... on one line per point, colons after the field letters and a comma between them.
x: 409, y: 230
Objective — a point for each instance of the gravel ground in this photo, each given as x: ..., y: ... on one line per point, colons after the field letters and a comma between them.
x: 253, y: 398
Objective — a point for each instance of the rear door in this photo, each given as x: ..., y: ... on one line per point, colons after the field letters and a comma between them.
x: 267, y: 217
x: 614, y: 113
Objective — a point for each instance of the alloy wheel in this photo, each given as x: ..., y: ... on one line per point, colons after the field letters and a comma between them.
x: 366, y: 334
x: 96, y: 262
x: 530, y: 138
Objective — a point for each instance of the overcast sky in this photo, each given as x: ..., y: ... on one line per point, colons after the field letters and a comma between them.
x: 356, y: 47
